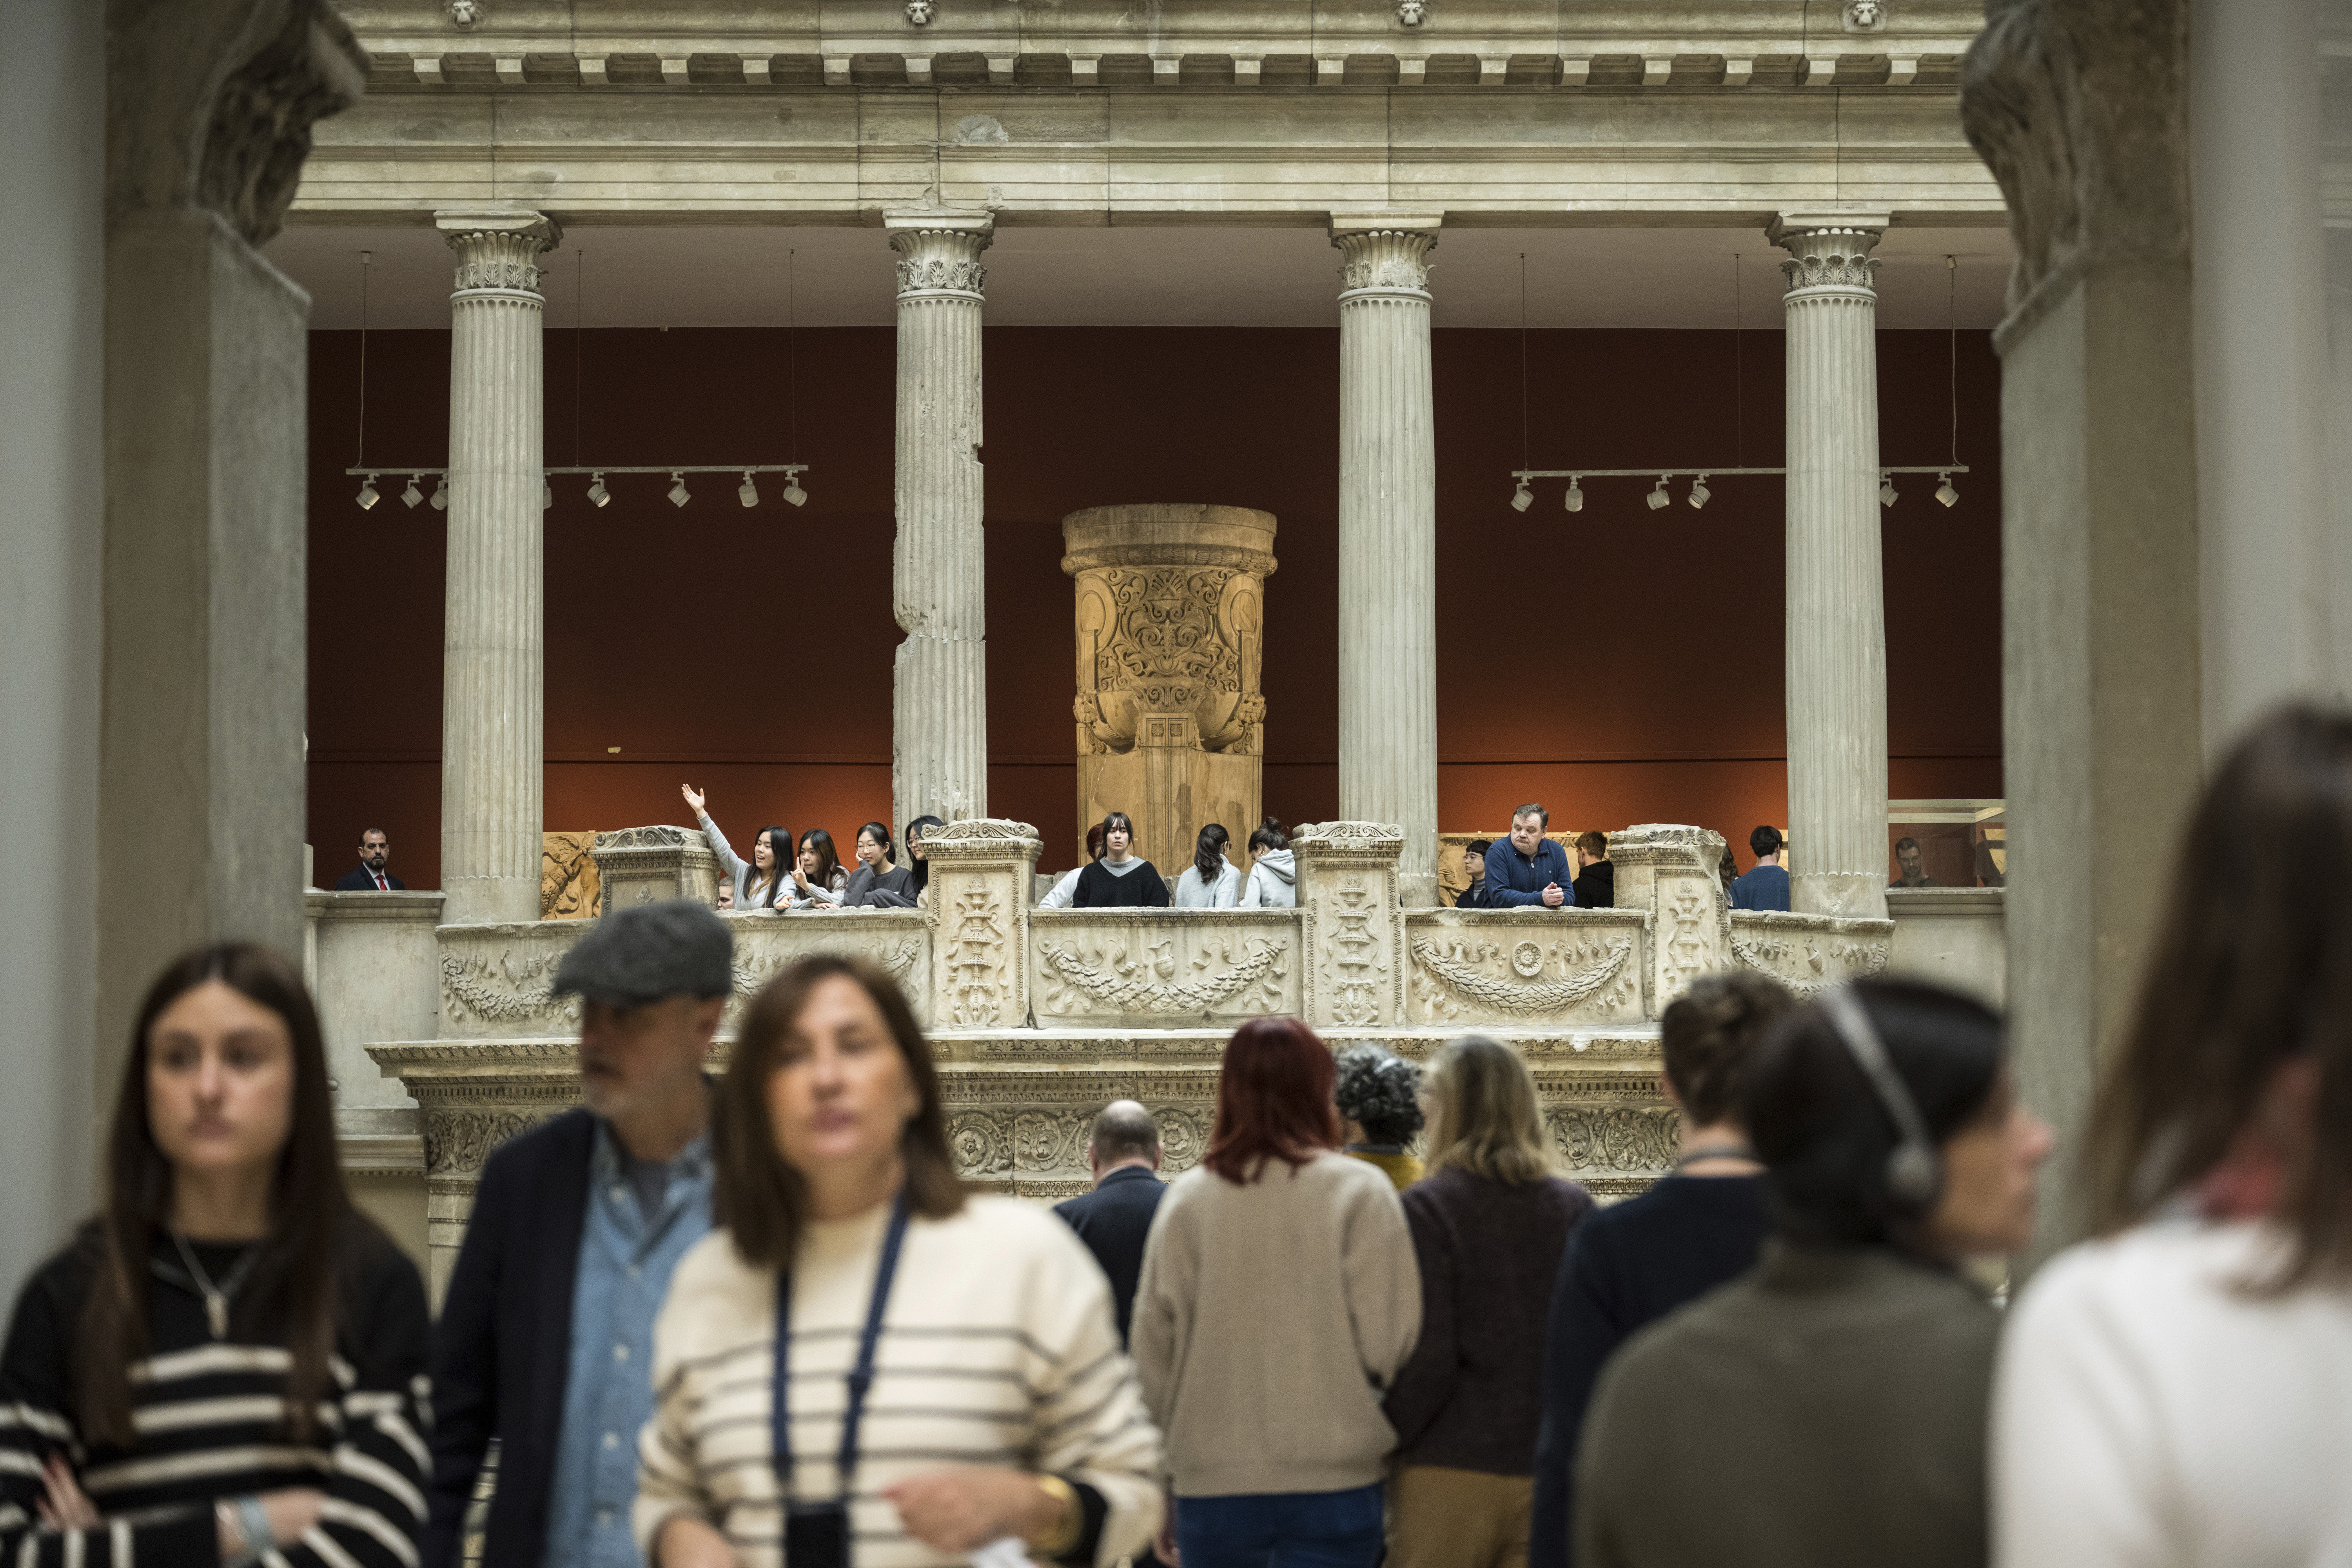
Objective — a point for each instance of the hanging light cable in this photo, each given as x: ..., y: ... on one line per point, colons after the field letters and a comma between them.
x: 1944, y: 491
x: 1524, y: 445
x: 794, y: 494
x: 1738, y: 372
x: 367, y: 496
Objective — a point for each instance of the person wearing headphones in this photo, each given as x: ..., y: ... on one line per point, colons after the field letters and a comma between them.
x: 1830, y: 1407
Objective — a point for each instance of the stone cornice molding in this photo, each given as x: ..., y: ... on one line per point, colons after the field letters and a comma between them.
x: 1195, y: 534
x: 983, y: 839
x: 1384, y: 256
x: 497, y: 248
x: 938, y: 252
x: 423, y: 906
x: 1666, y: 845
x: 2080, y: 111
x: 1828, y: 251
x: 210, y: 104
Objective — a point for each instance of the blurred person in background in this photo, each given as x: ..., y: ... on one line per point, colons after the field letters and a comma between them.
x: 1379, y: 1097
x: 2178, y: 1393
x: 1632, y: 1263
x: 1489, y: 1223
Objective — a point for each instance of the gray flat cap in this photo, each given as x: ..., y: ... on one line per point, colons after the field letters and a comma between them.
x: 648, y: 952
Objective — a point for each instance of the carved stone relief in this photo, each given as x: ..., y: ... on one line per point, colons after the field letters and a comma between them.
x: 501, y: 992
x: 568, y: 888
x: 1811, y: 953
x: 973, y: 936
x: 1643, y: 1140
x: 1198, y: 966
x: 1473, y: 972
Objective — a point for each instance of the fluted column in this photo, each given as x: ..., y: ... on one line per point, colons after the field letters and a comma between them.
x: 493, y: 659
x: 1388, y: 538
x: 1836, y: 594
x: 939, y: 709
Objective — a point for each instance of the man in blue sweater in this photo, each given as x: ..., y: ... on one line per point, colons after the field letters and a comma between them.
x: 1527, y: 868
x: 1767, y: 887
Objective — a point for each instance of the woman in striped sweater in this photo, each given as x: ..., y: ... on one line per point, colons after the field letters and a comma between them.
x: 227, y: 1365
x: 950, y: 1376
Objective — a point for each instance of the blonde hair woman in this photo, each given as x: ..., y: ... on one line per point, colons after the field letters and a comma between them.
x: 1490, y: 1224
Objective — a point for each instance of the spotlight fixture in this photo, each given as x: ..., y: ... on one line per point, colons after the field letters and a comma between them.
x: 1521, y: 499
x: 1658, y: 496
x: 749, y: 493
x: 1575, y: 499
x: 597, y: 494
x: 794, y: 494
x: 412, y: 495
x: 1945, y: 493
x: 440, y: 492
x: 546, y: 495
x: 1886, y: 489
x: 367, y: 497
x: 678, y: 495
x: 1699, y: 492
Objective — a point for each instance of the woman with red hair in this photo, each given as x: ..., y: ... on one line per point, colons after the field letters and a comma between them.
x: 1279, y: 1298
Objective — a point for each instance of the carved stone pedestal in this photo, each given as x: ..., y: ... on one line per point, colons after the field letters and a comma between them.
x: 1171, y: 618
x: 653, y: 865
x: 982, y: 871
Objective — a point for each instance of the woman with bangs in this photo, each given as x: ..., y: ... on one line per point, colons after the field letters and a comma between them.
x: 1279, y: 1299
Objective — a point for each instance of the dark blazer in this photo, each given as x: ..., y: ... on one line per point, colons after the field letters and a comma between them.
x: 363, y: 881
x: 1113, y: 1221
x: 503, y: 1346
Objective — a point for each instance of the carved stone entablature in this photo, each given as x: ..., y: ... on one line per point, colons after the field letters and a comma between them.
x: 1095, y: 966
x: 939, y: 253
x: 1547, y: 967
x: 1809, y: 954
x: 1828, y: 251
x: 982, y: 838
x: 1384, y: 256
x: 1642, y: 1141
x: 496, y: 980
x: 497, y: 248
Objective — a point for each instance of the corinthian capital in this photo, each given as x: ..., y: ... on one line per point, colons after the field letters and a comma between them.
x: 1384, y: 253
x: 497, y: 248
x: 938, y: 252
x: 1829, y: 250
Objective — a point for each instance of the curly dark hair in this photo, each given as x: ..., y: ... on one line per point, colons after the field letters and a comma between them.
x: 1379, y: 1092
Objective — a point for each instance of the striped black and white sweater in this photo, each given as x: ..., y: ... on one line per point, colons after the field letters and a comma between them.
x: 209, y: 1419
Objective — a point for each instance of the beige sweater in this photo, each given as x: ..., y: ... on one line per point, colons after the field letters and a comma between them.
x: 998, y: 1348
x: 1269, y: 1318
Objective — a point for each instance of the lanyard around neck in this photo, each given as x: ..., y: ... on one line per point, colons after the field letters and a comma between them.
x: 861, y: 1376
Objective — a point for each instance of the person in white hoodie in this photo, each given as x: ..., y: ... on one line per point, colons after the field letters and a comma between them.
x: 1210, y: 881
x: 1274, y: 875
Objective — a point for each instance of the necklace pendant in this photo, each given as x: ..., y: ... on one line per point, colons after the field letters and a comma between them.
x: 216, y: 1313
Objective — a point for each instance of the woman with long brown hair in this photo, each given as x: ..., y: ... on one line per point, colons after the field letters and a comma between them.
x: 1279, y: 1299
x: 865, y: 1362
x: 2177, y: 1391
x: 228, y: 1362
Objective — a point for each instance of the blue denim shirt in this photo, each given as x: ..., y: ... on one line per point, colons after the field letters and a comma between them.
x: 626, y: 1262
x: 1514, y: 880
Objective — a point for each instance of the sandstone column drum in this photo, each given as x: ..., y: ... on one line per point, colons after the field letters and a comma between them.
x: 1171, y: 621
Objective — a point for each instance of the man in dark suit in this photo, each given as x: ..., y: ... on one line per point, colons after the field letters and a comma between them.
x: 375, y: 848
x: 546, y: 1336
x: 1114, y: 1219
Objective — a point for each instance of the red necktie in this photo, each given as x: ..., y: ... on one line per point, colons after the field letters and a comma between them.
x: 381, y: 886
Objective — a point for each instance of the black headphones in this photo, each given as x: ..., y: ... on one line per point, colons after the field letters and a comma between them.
x: 1915, y: 1175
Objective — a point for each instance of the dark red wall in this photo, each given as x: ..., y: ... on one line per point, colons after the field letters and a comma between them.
x: 1623, y: 665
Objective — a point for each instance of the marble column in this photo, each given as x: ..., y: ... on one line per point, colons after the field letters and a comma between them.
x: 1836, y: 649
x: 1388, y: 538
x: 938, y: 689
x: 494, y: 635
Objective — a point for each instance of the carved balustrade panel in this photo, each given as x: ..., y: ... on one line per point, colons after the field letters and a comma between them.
x: 1354, y: 930
x: 1809, y: 954
x: 898, y: 939
x: 1671, y: 871
x: 497, y: 979
x: 1162, y: 968
x: 1528, y: 969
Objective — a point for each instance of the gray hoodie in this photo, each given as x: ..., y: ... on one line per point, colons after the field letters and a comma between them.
x: 1273, y: 882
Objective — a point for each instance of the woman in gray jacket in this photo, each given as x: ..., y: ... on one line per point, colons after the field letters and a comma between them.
x: 756, y: 881
x: 1274, y: 877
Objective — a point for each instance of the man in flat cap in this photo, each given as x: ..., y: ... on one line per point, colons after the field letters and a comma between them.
x: 546, y: 1336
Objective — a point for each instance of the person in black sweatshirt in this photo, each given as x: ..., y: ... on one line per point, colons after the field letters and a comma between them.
x: 228, y: 1364
x: 1119, y: 881
x: 1628, y: 1266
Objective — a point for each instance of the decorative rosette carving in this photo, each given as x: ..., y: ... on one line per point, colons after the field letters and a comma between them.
x: 1586, y: 972
x: 980, y: 1141
x: 1640, y: 1138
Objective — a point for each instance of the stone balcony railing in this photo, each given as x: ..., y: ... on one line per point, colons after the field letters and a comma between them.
x: 1038, y: 1017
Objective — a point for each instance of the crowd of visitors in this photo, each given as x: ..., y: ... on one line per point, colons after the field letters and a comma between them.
x: 761, y: 1321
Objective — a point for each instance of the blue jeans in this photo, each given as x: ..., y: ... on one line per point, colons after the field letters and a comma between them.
x: 1281, y: 1529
